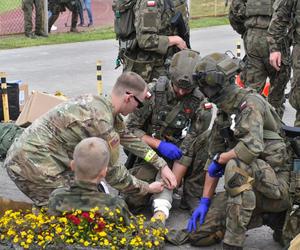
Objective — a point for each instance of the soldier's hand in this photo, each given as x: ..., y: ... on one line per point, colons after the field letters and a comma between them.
x: 169, y: 150
x: 168, y: 177
x: 177, y: 41
x: 275, y: 59
x: 199, y: 213
x: 156, y: 187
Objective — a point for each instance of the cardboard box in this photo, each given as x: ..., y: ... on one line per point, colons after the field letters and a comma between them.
x: 23, y: 95
x: 37, y: 104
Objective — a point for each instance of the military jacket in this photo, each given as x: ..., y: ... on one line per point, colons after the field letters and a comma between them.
x: 192, y: 114
x: 245, y: 14
x: 257, y: 131
x: 286, y: 19
x: 153, y: 26
x: 44, y: 150
x: 83, y: 195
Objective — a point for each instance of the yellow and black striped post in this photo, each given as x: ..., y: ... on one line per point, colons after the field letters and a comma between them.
x: 99, y: 78
x: 5, y: 106
x: 238, y: 49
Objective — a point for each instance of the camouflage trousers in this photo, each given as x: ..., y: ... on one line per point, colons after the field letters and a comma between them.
x: 192, y: 184
x: 27, y: 6
x: 147, y: 69
x: 39, y: 192
x: 259, y: 69
x: 294, y: 97
x: 246, y: 205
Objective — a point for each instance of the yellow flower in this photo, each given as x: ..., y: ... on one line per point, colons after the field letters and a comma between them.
x: 102, y: 234
x: 106, y: 242
x: 29, y: 241
x: 111, y: 214
x: 58, y: 229
x: 156, y: 243
x: 118, y: 211
x: 16, y: 239
x: 86, y: 243
x: 121, y: 219
x: 123, y: 241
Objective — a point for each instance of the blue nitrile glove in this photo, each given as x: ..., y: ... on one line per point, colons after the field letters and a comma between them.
x: 169, y: 150
x: 200, y: 212
x: 215, y: 169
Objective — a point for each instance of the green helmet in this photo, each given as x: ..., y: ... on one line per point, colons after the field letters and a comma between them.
x: 214, y: 73
x: 181, y: 68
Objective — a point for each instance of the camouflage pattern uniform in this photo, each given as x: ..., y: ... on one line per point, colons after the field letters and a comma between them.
x: 27, y: 6
x: 150, y: 53
x: 251, y: 19
x: 85, y: 195
x: 257, y: 181
x: 57, y: 6
x: 286, y: 16
x: 38, y: 162
x: 152, y: 120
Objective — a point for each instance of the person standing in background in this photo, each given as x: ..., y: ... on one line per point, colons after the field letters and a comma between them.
x: 86, y: 6
x: 27, y: 6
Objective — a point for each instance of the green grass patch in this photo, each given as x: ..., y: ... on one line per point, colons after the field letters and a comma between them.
x: 20, y: 41
x: 204, y: 8
x: 9, y: 5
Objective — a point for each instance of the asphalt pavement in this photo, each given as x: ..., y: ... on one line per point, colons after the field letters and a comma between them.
x: 71, y: 68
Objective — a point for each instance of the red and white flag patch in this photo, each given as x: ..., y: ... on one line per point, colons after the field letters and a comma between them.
x: 151, y: 3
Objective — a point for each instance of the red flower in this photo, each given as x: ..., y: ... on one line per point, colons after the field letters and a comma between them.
x: 101, y: 226
x: 86, y: 215
x: 74, y: 219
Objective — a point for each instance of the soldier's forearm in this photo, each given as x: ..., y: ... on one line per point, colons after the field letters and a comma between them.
x: 209, y: 186
x: 152, y: 142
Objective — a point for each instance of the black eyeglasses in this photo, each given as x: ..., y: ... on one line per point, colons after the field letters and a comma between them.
x: 140, y: 104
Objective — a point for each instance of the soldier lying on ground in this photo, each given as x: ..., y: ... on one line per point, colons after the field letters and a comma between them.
x: 254, y: 158
x: 175, y: 107
x: 38, y: 162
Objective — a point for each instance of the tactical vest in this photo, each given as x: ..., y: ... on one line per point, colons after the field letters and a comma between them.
x: 169, y: 120
x: 259, y: 8
x: 124, y: 22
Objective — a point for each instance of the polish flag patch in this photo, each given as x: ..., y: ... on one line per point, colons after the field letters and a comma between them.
x: 208, y: 105
x: 151, y: 3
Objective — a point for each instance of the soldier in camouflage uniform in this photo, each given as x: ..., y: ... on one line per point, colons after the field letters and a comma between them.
x: 90, y: 162
x: 155, y: 39
x: 27, y: 6
x: 175, y: 105
x: 253, y: 156
x: 38, y: 162
x: 251, y: 19
x: 57, y: 6
x: 285, y: 23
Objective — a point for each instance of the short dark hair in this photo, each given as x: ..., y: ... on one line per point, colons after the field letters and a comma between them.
x: 131, y: 82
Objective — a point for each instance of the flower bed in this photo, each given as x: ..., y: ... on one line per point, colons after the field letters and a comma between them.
x: 80, y: 230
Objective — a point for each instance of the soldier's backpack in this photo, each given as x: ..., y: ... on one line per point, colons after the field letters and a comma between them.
x: 124, y: 19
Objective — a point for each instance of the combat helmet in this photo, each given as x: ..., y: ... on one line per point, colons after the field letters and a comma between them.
x: 215, y: 75
x: 181, y: 68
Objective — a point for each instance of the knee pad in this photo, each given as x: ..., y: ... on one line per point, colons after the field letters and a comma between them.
x: 206, y: 239
x: 237, y: 180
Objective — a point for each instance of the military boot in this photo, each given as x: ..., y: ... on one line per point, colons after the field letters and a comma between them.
x: 30, y: 35
x: 75, y: 30
x: 41, y: 33
x: 229, y: 247
x: 276, y: 222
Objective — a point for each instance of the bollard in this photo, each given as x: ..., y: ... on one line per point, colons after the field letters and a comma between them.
x: 238, y: 49
x: 99, y: 79
x: 4, y: 97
